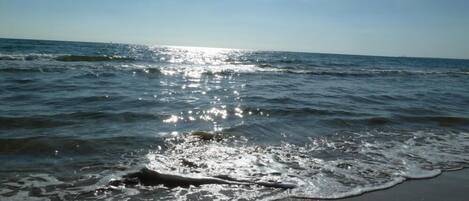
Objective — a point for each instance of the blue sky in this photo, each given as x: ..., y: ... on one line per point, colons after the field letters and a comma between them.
x: 427, y: 28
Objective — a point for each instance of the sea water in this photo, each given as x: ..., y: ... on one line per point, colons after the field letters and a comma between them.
x: 74, y: 116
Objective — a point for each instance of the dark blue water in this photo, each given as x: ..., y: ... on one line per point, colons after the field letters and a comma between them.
x: 74, y: 116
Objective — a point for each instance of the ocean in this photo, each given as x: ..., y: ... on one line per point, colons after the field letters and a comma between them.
x: 75, y: 116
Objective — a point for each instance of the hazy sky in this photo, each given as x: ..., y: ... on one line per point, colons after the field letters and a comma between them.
x: 427, y: 28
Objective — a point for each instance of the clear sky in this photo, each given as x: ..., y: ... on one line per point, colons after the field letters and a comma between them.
x: 429, y: 28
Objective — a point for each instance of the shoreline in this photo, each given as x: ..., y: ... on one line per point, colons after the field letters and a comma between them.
x: 447, y: 186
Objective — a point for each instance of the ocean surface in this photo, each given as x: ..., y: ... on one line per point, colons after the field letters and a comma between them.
x: 75, y: 116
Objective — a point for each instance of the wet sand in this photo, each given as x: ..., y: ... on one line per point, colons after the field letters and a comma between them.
x: 449, y: 186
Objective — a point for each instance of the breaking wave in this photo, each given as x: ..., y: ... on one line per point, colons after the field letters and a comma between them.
x: 325, y: 168
x: 329, y: 167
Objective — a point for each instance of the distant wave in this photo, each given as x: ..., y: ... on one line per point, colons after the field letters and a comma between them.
x: 227, y: 66
x: 370, y: 72
x: 220, y: 70
x: 63, y: 58
x: 32, y: 70
x: 25, y: 57
x: 73, y: 58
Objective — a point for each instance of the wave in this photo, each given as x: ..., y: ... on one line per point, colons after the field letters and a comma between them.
x: 110, y: 116
x: 444, y: 121
x: 313, y: 71
x: 63, y: 58
x: 370, y: 72
x: 295, y: 111
x: 441, y: 120
x: 46, y: 145
x: 30, y: 122
x: 326, y: 168
x: 268, y: 68
x: 349, y: 122
x: 26, y: 57
x: 32, y: 69
x: 76, y: 58
x: 223, y: 67
x: 65, y: 119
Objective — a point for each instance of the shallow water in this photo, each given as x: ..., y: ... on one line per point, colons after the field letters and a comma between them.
x: 74, y: 116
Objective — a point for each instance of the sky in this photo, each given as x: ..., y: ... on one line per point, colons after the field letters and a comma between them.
x: 422, y: 28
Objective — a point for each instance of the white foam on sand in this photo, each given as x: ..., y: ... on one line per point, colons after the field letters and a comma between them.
x: 328, y: 168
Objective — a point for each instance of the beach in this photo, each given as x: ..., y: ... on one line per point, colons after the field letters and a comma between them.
x: 449, y: 186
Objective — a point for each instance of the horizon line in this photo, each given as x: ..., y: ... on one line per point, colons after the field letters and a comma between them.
x: 242, y: 49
